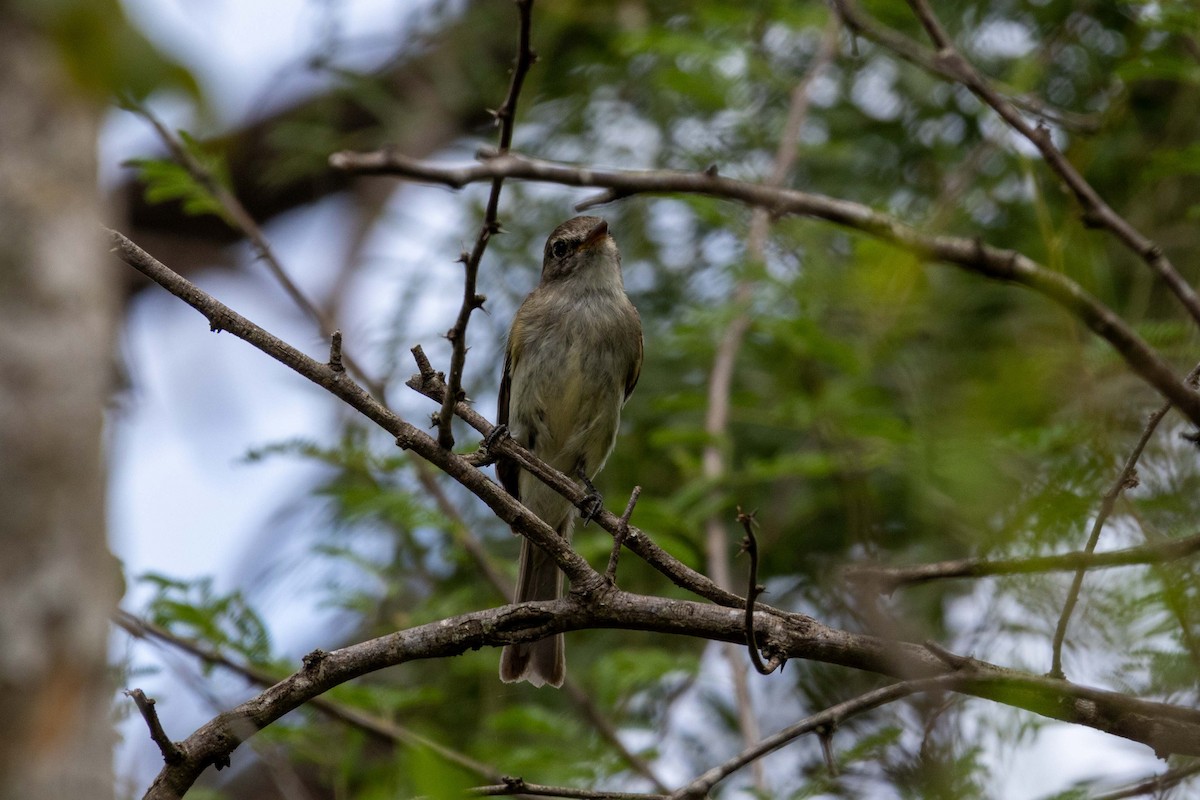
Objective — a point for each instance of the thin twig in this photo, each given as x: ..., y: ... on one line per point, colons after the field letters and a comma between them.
x: 1126, y: 478
x: 972, y: 255
x: 505, y: 117
x: 1159, y: 783
x: 170, y: 751
x: 610, y: 572
x: 914, y: 52
x: 512, y: 786
x: 827, y: 720
x: 750, y: 547
x: 888, y: 579
x: 1096, y: 212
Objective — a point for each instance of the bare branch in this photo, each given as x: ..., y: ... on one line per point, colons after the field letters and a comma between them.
x: 610, y: 573
x: 1096, y: 212
x: 505, y: 117
x: 512, y: 786
x: 826, y: 721
x: 888, y: 579
x: 750, y: 547
x: 912, y: 51
x: 382, y: 729
x: 1164, y: 727
x: 1159, y: 783
x: 1126, y: 478
x: 969, y: 254
x: 170, y: 751
x: 238, y: 218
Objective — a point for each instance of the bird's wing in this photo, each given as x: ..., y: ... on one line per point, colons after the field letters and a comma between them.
x: 507, y: 471
x: 635, y: 369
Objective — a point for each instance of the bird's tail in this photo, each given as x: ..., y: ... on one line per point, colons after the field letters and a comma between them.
x: 542, y: 662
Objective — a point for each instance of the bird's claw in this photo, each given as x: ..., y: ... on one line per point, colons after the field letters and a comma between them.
x: 593, y: 502
x: 484, y: 455
x: 497, y: 433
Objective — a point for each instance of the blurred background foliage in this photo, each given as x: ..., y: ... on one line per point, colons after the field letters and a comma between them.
x: 882, y: 409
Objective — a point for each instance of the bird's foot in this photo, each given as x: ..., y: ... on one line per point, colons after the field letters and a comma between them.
x: 484, y: 455
x: 593, y: 501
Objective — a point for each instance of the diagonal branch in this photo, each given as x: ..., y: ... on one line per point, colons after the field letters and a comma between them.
x: 238, y: 218
x: 828, y: 719
x: 222, y: 318
x: 1096, y: 212
x: 382, y: 729
x: 971, y: 255
x: 912, y: 51
x: 505, y: 117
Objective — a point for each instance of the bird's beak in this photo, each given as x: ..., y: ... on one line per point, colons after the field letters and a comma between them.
x: 595, y: 236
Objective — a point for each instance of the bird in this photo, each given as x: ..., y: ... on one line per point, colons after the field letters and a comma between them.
x: 573, y: 357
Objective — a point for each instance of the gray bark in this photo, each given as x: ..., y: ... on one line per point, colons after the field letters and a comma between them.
x: 58, y: 581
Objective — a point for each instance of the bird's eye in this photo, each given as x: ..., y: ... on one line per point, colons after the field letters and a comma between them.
x: 559, y: 249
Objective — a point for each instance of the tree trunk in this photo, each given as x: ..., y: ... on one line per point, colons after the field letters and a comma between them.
x: 58, y: 581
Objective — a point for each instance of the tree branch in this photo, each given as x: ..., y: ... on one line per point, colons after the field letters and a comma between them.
x: 383, y: 730
x: 912, y: 51
x: 593, y: 603
x: 1096, y: 212
x: 505, y: 117
x: 971, y: 255
x: 512, y: 786
x: 888, y: 579
x: 1165, y: 728
x: 827, y: 720
x: 1126, y: 479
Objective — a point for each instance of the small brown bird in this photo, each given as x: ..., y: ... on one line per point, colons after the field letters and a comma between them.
x: 574, y: 355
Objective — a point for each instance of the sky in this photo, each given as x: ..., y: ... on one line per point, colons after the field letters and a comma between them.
x: 190, y: 505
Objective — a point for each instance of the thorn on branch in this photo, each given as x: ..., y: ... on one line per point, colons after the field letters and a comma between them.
x: 711, y: 170
x: 335, y: 352
x: 825, y: 735
x: 171, y: 752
